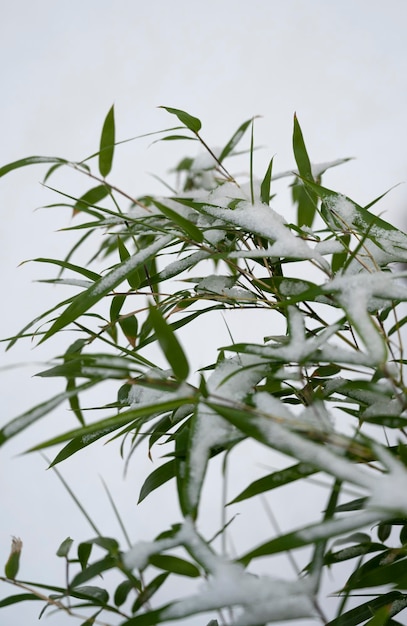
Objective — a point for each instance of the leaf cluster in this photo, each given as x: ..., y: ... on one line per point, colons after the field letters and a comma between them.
x: 327, y: 390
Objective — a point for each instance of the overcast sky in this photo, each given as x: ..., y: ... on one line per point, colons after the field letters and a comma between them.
x: 340, y: 65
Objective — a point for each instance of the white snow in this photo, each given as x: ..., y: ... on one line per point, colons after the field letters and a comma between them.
x: 356, y: 293
x: 258, y: 598
x: 138, y: 555
x: 223, y: 286
x: 112, y: 279
x: 388, y: 493
x: 342, y: 208
x: 231, y: 380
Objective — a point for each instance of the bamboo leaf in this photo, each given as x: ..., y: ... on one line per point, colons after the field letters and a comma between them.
x: 107, y: 144
x: 33, y: 160
x: 158, y: 477
x: 95, y: 569
x: 266, y: 183
x: 186, y: 225
x: 169, y: 344
x: 277, y: 479
x: 86, y: 300
x: 105, y: 426
x: 96, y: 595
x: 300, y: 152
x: 174, y: 565
x: 193, y: 123
x: 69, y: 266
x: 364, y: 611
x: 149, y: 591
x: 20, y: 423
x: 20, y: 597
x: 236, y: 137
x: 91, y: 198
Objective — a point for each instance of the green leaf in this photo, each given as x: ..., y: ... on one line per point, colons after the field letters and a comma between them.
x: 182, y: 439
x: 157, y: 478
x: 78, y: 443
x: 149, y: 591
x: 169, y: 344
x: 95, y: 569
x: 300, y: 152
x: 339, y: 258
x: 129, y: 326
x: 116, y: 306
x: 265, y: 185
x: 69, y: 266
x: 134, y: 278
x: 65, y: 547
x: 84, y: 551
x: 193, y: 123
x: 107, y: 144
x: 174, y: 564
x: 176, y: 138
x: 352, y: 552
x: 306, y: 202
x: 24, y: 420
x: 96, y: 595
x: 380, y: 617
x: 91, y: 198
x: 122, y: 592
x: 382, y: 233
x: 34, y: 160
x: 380, y: 571
x: 236, y: 137
x: 305, y: 198
x: 105, y: 426
x: 364, y: 611
x: 185, y: 225
x: 86, y: 300
x: 20, y: 597
x: 149, y: 618
x: 277, y: 479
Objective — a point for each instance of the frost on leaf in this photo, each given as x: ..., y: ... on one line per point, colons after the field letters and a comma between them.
x: 383, y: 244
x: 231, y: 381
x: 359, y: 294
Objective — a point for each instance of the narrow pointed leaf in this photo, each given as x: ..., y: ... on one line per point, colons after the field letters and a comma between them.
x: 69, y: 266
x: 107, y: 144
x: 300, y: 152
x: 157, y: 478
x: 193, y: 123
x: 174, y: 564
x: 364, y: 611
x: 134, y: 278
x: 277, y: 479
x: 95, y: 569
x: 24, y: 420
x: 149, y: 591
x: 34, y: 160
x: 186, y: 225
x: 91, y: 198
x: 129, y: 326
x: 96, y: 595
x: 86, y: 300
x: 232, y: 143
x: 169, y: 344
x: 266, y: 183
x: 105, y: 426
x: 20, y: 597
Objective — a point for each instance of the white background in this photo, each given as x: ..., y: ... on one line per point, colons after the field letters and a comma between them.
x: 340, y: 65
